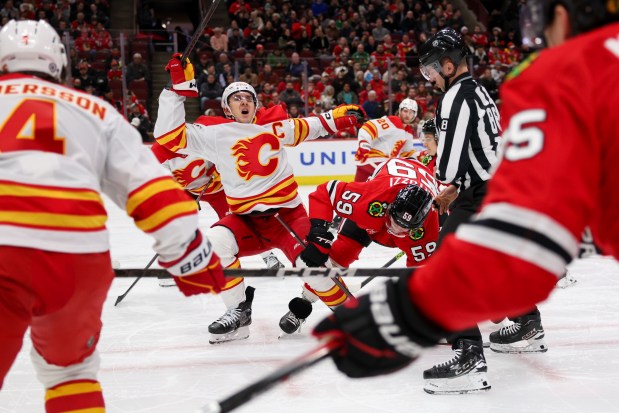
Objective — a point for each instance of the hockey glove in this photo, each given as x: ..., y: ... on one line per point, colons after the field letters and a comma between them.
x: 380, y: 333
x: 198, y: 271
x: 319, y: 241
x: 362, y: 152
x: 183, y: 78
x: 342, y: 117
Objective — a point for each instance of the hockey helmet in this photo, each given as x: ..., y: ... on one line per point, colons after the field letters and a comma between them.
x: 429, y: 127
x: 29, y: 46
x: 236, y: 87
x: 411, y: 104
x: 584, y: 16
x: 409, y: 209
x: 445, y: 43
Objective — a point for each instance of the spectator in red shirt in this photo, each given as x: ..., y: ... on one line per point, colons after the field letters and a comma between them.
x: 478, y: 37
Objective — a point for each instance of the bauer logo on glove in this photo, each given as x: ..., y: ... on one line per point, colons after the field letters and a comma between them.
x: 182, y: 76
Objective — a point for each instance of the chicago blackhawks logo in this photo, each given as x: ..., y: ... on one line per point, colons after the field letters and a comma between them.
x: 253, y: 158
x: 416, y: 233
x: 194, y: 170
x: 377, y: 209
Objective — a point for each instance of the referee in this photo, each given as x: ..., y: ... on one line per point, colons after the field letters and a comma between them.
x: 467, y: 123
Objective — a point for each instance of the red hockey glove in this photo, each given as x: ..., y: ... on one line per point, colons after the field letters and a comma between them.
x: 342, y: 117
x: 198, y: 271
x: 319, y: 241
x: 380, y: 333
x: 362, y: 152
x: 183, y: 78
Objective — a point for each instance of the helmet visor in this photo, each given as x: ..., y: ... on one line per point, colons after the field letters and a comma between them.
x: 430, y: 70
x: 396, y: 230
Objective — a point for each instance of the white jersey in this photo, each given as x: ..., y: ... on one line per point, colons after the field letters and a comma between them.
x: 250, y: 158
x: 60, y: 149
x: 191, y: 172
x: 386, y: 137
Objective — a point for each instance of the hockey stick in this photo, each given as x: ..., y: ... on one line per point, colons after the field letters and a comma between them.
x: 294, y: 235
x: 262, y: 385
x: 165, y: 273
x: 198, y: 32
x: 387, y: 264
x: 144, y: 271
x: 285, y: 272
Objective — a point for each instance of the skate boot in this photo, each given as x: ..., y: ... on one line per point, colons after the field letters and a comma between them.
x: 234, y: 324
x: 300, y: 309
x: 465, y: 373
x: 272, y: 261
x: 526, y: 335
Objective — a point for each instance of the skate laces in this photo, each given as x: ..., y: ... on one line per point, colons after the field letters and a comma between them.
x: 511, y: 329
x: 453, y: 360
x: 230, y: 317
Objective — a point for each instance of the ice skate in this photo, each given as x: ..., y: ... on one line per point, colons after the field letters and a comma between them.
x: 567, y: 280
x: 465, y: 373
x: 291, y: 322
x: 234, y: 324
x: 272, y: 261
x: 525, y: 335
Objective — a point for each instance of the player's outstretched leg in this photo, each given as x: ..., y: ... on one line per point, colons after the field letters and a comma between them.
x: 465, y: 373
x: 525, y: 335
x: 234, y: 324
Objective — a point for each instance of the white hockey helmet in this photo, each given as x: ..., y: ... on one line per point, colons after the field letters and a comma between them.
x: 33, y: 47
x: 409, y: 103
x: 235, y: 87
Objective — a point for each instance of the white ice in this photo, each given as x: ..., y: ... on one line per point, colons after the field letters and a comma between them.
x: 156, y: 357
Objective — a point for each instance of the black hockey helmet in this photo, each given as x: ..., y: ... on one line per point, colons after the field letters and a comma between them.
x: 585, y: 15
x: 429, y: 127
x: 445, y: 43
x: 410, y: 207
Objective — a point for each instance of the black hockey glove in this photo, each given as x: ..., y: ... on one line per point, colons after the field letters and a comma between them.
x: 380, y: 333
x: 319, y: 241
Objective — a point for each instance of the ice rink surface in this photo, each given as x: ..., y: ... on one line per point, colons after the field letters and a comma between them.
x: 156, y: 357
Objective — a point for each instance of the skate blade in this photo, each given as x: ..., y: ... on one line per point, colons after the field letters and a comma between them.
x: 468, y: 383
x: 239, y: 334
x: 531, y: 346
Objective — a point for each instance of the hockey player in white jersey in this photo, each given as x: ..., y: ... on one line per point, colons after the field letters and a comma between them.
x: 384, y: 138
x: 60, y: 150
x: 257, y: 179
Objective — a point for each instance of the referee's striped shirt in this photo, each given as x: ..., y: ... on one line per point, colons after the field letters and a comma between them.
x: 468, y: 126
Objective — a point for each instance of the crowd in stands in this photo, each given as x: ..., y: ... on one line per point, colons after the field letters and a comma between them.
x: 308, y: 56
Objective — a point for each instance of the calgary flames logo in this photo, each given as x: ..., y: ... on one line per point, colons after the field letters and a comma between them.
x: 253, y: 159
x: 194, y: 170
x: 397, y: 148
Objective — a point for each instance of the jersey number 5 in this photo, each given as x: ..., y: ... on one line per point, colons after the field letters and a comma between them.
x: 524, y: 142
x: 31, y: 126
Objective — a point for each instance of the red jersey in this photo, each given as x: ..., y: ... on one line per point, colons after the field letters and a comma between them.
x: 365, y: 203
x: 510, y: 255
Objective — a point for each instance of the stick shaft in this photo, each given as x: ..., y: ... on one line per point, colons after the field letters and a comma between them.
x: 198, y: 33
x: 284, y: 272
x: 387, y: 264
x: 283, y: 373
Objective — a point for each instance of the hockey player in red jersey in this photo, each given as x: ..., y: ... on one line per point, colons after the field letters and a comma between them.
x: 384, y: 138
x: 392, y: 208
x: 509, y: 257
x: 60, y: 151
x: 256, y: 176
x: 430, y: 140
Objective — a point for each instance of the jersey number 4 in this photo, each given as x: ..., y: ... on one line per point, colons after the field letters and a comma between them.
x: 31, y: 126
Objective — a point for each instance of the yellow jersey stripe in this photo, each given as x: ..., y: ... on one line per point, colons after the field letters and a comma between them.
x: 148, y: 191
x: 165, y: 214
